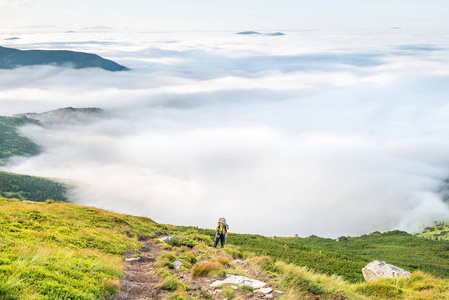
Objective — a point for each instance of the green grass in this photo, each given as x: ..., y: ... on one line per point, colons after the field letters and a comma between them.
x: 228, y: 292
x: 52, y: 250
x: 65, y: 251
x: 398, y: 248
x: 303, y: 283
x: 347, y: 258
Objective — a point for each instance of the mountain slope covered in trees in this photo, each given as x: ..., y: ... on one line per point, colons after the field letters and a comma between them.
x: 11, y: 58
x: 23, y: 187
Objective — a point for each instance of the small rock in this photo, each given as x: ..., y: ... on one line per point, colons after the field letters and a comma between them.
x: 177, y: 264
x: 279, y: 292
x: 234, y: 287
x: 380, y: 269
x: 132, y: 259
x: 269, y: 296
x: 265, y: 290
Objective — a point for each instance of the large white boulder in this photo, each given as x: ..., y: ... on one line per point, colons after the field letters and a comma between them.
x: 240, y: 280
x: 380, y: 269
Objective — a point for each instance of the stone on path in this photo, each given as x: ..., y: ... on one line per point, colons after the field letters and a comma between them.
x: 265, y: 290
x: 241, y: 281
x: 177, y: 264
x: 380, y: 269
x: 132, y: 258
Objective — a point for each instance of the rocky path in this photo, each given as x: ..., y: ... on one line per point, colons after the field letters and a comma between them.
x: 142, y: 282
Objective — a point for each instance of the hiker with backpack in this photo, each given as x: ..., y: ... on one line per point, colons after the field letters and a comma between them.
x: 221, y: 232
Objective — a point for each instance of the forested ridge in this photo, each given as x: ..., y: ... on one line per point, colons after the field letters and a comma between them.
x: 23, y: 187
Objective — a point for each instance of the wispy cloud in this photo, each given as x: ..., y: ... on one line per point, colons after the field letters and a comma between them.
x: 14, y: 3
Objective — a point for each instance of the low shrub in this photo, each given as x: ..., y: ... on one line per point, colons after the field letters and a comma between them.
x: 266, y: 263
x: 166, y: 259
x: 190, y: 257
x: 170, y: 283
x: 9, y: 288
x: 380, y: 289
x: 299, y: 282
x: 170, y: 256
x: 224, y: 261
x: 205, y: 268
x: 235, y: 253
x: 111, y: 286
x: 246, y: 289
x: 206, y: 296
x: 228, y: 293
x: 177, y: 296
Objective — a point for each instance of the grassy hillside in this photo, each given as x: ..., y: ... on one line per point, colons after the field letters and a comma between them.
x: 347, y: 257
x: 65, y: 251
x: 25, y: 187
x: 12, y: 143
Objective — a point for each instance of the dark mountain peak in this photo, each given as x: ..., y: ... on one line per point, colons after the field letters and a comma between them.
x: 11, y: 58
x: 248, y: 32
x: 276, y: 33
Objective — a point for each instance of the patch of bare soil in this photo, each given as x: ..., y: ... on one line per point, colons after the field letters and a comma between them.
x: 141, y: 282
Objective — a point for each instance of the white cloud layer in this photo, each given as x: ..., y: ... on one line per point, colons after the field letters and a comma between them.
x: 312, y: 133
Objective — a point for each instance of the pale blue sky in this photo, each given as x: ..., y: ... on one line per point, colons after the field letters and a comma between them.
x: 226, y: 15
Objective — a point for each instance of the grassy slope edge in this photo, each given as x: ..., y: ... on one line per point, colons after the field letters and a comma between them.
x: 61, y: 250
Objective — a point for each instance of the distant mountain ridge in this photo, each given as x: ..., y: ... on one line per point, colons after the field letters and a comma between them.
x: 11, y: 58
x: 258, y: 33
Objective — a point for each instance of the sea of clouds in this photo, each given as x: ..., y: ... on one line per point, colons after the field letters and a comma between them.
x: 315, y: 132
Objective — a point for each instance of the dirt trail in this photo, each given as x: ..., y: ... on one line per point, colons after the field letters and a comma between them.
x: 141, y: 282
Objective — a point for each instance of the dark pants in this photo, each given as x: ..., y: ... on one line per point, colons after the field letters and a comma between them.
x: 222, y: 240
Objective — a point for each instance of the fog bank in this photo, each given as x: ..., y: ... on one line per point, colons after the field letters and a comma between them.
x: 325, y: 133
